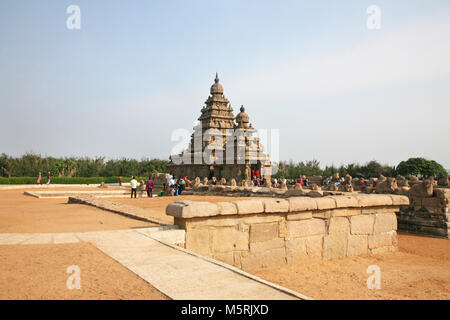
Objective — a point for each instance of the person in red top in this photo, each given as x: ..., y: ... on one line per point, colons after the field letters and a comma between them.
x: 149, y: 187
x: 120, y: 181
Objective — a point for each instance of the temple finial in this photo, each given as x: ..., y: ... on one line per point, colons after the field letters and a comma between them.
x: 216, y: 80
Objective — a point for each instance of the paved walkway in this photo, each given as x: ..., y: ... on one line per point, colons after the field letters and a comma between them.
x: 176, y: 272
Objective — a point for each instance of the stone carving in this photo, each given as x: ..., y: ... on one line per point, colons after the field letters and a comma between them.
x: 388, y: 185
x: 423, y: 189
x: 233, y: 182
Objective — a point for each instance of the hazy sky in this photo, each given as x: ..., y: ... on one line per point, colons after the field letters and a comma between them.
x: 137, y: 70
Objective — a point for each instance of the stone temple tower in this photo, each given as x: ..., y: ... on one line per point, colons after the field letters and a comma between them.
x: 222, y: 145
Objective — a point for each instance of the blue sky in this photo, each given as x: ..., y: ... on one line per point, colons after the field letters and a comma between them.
x: 138, y: 70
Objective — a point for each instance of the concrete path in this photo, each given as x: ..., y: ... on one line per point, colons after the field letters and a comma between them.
x: 176, y: 272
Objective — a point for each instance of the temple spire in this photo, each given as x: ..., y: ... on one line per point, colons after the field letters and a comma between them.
x: 216, y: 80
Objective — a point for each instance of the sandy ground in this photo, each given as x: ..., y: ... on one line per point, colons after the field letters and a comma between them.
x: 39, y: 272
x: 420, y: 270
x: 24, y: 214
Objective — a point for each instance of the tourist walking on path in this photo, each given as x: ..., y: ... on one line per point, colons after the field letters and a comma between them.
x: 48, y: 177
x: 39, y: 178
x: 120, y: 181
x: 133, y: 184
x: 149, y: 187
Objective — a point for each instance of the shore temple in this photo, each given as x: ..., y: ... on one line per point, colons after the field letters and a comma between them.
x: 222, y: 145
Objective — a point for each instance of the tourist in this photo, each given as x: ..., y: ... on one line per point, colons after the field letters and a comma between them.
x: 39, y: 179
x: 48, y: 177
x: 181, y: 185
x: 363, y: 185
x: 120, y: 181
x: 305, y: 181
x: 133, y: 184
x: 275, y: 183
x: 149, y: 187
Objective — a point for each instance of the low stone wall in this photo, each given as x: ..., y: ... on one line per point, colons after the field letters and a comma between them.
x: 258, y: 233
x: 428, y: 215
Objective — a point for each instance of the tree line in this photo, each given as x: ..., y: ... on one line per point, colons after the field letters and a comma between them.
x: 413, y: 166
x: 29, y: 165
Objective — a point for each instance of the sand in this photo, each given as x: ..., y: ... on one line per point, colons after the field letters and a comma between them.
x: 39, y: 272
x: 25, y: 214
x: 420, y: 270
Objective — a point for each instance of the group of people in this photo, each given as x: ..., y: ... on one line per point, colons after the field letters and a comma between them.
x: 39, y: 178
x: 147, y: 186
x: 176, y: 186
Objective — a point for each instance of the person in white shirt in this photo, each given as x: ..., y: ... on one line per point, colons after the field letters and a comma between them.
x: 133, y: 184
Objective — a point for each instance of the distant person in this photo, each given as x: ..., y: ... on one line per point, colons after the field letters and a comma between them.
x: 142, y: 186
x: 120, y: 181
x: 39, y: 178
x: 363, y: 185
x: 149, y: 187
x: 48, y: 177
x: 133, y: 184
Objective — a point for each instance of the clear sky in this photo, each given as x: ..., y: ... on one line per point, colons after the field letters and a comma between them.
x: 137, y: 70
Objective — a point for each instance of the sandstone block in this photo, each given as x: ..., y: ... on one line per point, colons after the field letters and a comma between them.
x: 295, y: 248
x: 362, y: 224
x: 314, y: 246
x: 346, y: 201
x: 357, y: 245
x: 338, y: 225
x: 298, y: 204
x: 227, y: 257
x: 266, y: 259
x: 227, y: 208
x: 382, y: 239
x: 326, y: 203
x: 374, y: 200
x: 190, y: 209
x: 249, y: 206
x: 300, y: 215
x: 385, y: 222
x: 399, y: 200
x: 275, y: 205
x: 229, y: 239
x: 198, y: 240
x: 263, y: 231
x: 266, y: 245
x: 335, y: 246
x: 304, y: 228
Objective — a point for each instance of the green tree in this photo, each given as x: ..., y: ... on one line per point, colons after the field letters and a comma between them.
x: 421, y: 166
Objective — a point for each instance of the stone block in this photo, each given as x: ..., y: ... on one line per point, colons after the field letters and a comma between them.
x: 229, y: 239
x: 249, y: 206
x: 299, y: 204
x: 300, y: 215
x: 190, y: 209
x: 314, y: 246
x: 275, y: 205
x: 374, y: 200
x: 399, y: 200
x: 304, y: 228
x: 263, y: 231
x: 382, y: 239
x: 295, y: 249
x: 362, y: 224
x: 335, y: 246
x: 345, y: 201
x: 357, y: 245
x: 266, y: 259
x: 227, y: 208
x: 385, y: 222
x: 266, y: 245
x: 199, y: 241
x: 325, y: 203
x: 226, y: 257
x: 338, y: 225
x: 382, y: 250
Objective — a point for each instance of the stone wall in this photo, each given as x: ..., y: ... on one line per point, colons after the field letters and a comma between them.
x: 427, y: 214
x: 257, y: 233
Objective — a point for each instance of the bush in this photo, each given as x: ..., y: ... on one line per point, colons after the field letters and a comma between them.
x: 66, y: 180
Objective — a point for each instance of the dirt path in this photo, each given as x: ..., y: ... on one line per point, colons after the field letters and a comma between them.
x: 39, y: 272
